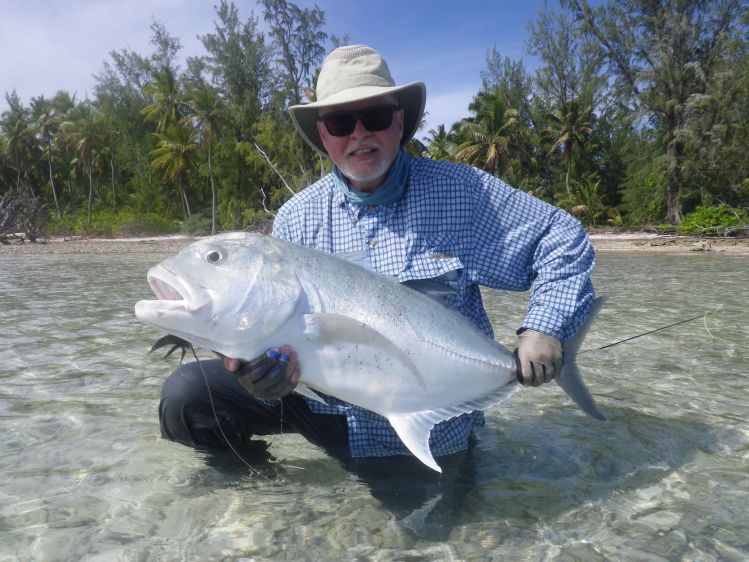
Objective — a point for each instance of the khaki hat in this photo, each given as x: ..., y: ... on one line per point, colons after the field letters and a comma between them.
x: 355, y: 73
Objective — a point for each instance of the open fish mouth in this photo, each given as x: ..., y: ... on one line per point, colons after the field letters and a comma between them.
x: 175, y: 292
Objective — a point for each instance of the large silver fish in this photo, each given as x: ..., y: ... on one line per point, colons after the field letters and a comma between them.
x: 360, y: 336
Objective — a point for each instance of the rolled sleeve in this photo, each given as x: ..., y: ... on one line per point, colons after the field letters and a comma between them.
x: 524, y: 243
x: 562, y: 292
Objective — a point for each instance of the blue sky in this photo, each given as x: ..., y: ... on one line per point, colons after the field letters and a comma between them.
x: 48, y: 45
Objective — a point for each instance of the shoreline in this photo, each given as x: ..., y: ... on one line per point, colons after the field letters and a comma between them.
x: 602, y: 242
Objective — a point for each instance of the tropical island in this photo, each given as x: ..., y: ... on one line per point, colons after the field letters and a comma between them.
x: 635, y: 122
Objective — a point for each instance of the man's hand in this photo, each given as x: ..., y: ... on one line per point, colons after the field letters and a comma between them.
x: 540, y: 357
x: 272, y: 375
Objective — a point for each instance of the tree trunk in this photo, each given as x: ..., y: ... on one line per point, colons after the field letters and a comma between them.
x: 673, y: 182
x: 90, y: 194
x: 183, y: 196
x: 114, y: 192
x: 213, y: 191
x: 52, y: 181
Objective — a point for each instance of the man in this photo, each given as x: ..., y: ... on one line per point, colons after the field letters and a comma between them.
x: 416, y: 219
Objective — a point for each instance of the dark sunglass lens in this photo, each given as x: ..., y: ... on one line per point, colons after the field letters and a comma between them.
x: 374, y: 119
x: 340, y: 124
x: 377, y: 118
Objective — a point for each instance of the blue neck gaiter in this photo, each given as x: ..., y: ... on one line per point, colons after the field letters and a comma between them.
x: 391, y: 190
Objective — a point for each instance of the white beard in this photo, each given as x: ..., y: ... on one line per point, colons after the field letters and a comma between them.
x: 357, y: 175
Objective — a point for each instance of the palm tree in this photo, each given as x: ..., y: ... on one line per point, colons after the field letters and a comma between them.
x: 166, y: 108
x: 569, y: 130
x: 19, y: 138
x: 175, y: 154
x: 492, y: 136
x: 207, y: 117
x: 110, y: 137
x: 87, y: 139
x: 47, y: 124
x: 440, y: 144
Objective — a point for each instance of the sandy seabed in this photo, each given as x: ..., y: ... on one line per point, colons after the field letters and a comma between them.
x: 638, y: 242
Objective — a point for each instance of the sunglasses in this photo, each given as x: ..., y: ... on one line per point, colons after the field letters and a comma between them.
x: 343, y: 123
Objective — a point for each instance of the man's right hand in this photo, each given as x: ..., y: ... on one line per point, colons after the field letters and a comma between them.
x: 272, y: 375
x: 540, y: 357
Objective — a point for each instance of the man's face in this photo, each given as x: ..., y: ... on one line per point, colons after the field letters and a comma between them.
x: 364, y: 157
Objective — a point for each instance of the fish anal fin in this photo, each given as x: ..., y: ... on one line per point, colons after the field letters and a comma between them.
x: 304, y: 390
x: 414, y: 430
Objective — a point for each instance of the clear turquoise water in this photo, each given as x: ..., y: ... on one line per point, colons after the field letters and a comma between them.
x: 87, y: 477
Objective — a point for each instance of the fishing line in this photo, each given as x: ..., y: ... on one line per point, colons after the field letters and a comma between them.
x: 253, y: 471
x: 704, y: 316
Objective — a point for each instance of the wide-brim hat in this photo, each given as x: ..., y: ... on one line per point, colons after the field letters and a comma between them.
x: 354, y: 73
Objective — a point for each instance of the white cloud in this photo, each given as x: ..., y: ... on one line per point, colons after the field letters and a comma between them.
x: 446, y: 109
x: 56, y: 45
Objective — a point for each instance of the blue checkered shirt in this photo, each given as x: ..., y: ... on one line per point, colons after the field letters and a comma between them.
x: 467, y: 228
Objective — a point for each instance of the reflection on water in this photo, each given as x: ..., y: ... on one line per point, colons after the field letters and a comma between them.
x: 87, y: 477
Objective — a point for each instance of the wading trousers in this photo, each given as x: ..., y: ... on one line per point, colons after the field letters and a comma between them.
x: 187, y: 416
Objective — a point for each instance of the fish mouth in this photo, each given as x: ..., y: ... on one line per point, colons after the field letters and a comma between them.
x: 174, y: 292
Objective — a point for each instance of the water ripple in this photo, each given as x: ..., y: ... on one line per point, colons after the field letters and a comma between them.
x: 88, y: 477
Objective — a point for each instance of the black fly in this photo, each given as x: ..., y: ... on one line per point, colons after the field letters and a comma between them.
x: 176, y: 342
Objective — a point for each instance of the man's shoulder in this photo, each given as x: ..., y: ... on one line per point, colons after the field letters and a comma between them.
x: 426, y: 169
x: 320, y: 192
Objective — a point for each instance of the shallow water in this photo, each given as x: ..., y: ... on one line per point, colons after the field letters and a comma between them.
x: 87, y: 477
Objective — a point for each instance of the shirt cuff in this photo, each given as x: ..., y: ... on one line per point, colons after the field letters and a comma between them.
x: 546, y: 321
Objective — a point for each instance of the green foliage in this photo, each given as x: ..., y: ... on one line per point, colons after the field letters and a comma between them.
x: 586, y: 202
x: 643, y: 191
x: 148, y: 224
x: 196, y: 225
x: 720, y: 219
x: 634, y: 116
x: 107, y: 222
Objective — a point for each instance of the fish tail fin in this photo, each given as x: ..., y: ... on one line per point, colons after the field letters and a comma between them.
x: 570, y: 378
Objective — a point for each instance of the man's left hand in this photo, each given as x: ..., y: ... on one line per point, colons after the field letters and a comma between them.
x: 540, y: 357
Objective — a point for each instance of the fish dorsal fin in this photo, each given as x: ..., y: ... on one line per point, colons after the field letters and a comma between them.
x: 414, y: 429
x: 436, y: 288
x: 430, y: 287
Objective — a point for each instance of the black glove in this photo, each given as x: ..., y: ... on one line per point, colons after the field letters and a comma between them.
x: 269, y: 376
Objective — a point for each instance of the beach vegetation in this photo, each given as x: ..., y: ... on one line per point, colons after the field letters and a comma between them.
x: 634, y: 114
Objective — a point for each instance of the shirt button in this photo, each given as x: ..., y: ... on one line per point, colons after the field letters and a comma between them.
x: 373, y: 241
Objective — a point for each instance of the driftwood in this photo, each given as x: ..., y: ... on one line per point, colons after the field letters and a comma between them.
x: 22, y: 218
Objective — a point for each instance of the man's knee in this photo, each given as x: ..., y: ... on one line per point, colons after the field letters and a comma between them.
x: 185, y: 384
x: 192, y: 413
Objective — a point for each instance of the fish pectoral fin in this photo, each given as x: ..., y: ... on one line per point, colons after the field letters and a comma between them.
x: 355, y: 344
x: 414, y: 430
x: 304, y: 390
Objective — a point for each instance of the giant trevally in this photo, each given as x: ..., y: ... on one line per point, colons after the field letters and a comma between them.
x: 360, y: 336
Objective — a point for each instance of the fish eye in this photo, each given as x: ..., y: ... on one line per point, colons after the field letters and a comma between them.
x: 213, y: 256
